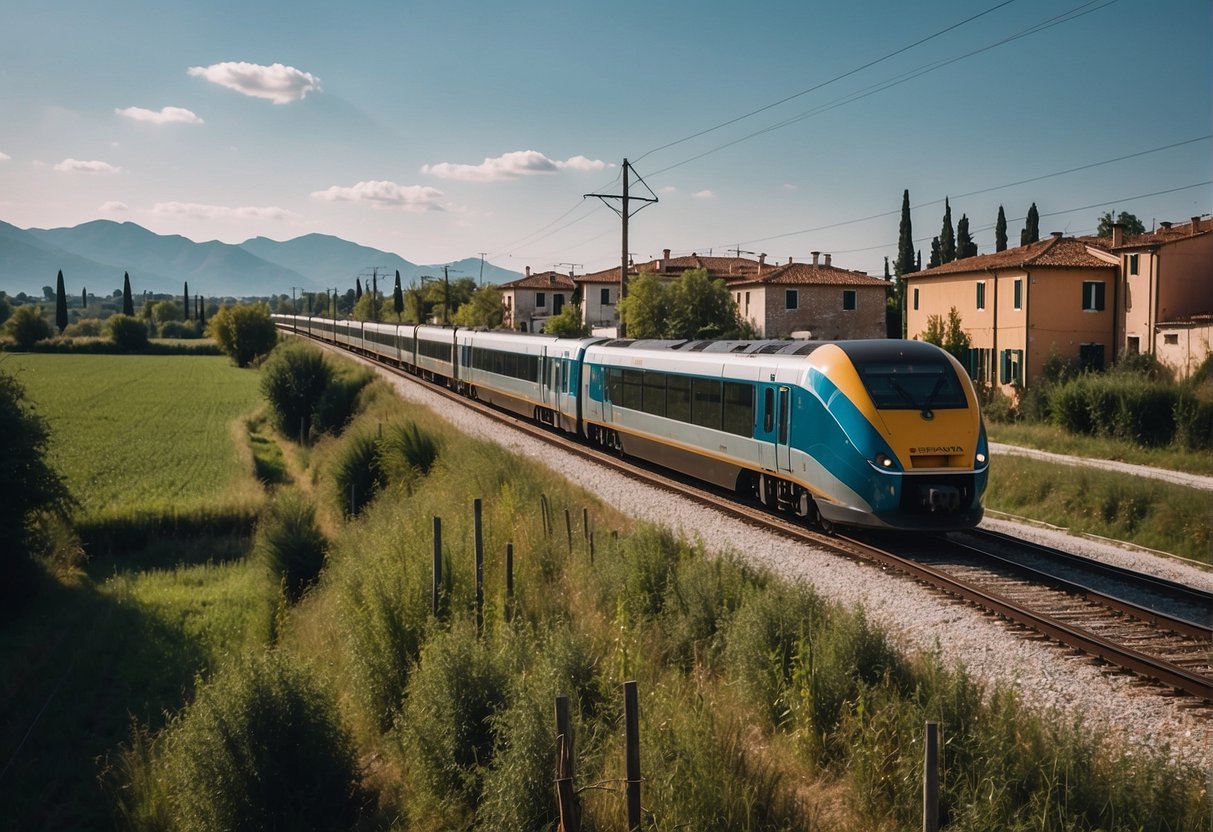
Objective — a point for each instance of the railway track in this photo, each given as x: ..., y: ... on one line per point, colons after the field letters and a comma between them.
x: 1156, y: 629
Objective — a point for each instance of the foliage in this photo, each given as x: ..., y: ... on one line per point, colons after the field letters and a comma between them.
x: 60, y: 303
x: 965, y: 246
x: 28, y: 483
x: 1031, y: 230
x: 261, y: 747
x: 128, y: 303
x: 905, y: 243
x: 1000, y: 230
x: 26, y: 326
x: 165, y: 311
x: 947, y: 237
x: 6, y: 308
x: 244, y: 331
x: 645, y: 310
x: 127, y: 333
x: 366, y: 308
x: 84, y: 328
x: 1127, y: 406
x: 356, y: 473
x: 406, y: 452
x: 694, y: 307
x: 483, y: 310
x: 338, y: 402
x: 290, y: 543
x: 950, y: 336
x: 293, y: 380
x: 567, y: 324
x: 1132, y: 224
x: 397, y: 297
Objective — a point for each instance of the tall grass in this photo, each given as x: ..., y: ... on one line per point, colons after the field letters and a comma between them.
x: 289, y: 542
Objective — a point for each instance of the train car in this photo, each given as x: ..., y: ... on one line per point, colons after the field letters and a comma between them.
x: 395, y: 344
x: 435, y: 358
x: 883, y: 434
x: 535, y: 376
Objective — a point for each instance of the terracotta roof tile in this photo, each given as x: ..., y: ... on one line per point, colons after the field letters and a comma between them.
x: 542, y: 280
x: 806, y: 274
x: 1162, y: 235
x: 1057, y: 252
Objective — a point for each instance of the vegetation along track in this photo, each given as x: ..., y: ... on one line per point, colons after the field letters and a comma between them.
x: 1165, y: 640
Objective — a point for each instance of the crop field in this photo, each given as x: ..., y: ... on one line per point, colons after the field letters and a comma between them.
x: 126, y: 429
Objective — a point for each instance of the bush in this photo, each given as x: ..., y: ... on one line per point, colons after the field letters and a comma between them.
x: 290, y: 543
x: 260, y: 747
x: 84, y: 328
x: 357, y: 476
x: 1119, y: 406
x: 406, y: 451
x: 179, y: 329
x: 293, y: 380
x: 245, y: 331
x: 26, y: 326
x: 336, y: 405
x: 127, y: 333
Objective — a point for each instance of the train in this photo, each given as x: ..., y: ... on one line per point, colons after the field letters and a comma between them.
x: 876, y: 434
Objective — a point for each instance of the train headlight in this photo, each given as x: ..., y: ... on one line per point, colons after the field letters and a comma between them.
x: 884, y: 461
x: 981, y: 459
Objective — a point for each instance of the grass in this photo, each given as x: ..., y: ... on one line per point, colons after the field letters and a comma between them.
x: 1148, y: 512
x: 1054, y: 439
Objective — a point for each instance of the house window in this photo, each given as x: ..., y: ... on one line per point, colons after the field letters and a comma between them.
x: 747, y: 301
x: 1011, y: 367
x: 791, y: 299
x: 848, y: 299
x: 1171, y: 338
x: 915, y: 297
x: 605, y: 297
x: 1090, y: 357
x: 557, y: 303
x: 1133, y: 263
x: 1092, y: 295
x: 1133, y: 345
x: 541, y: 300
x: 981, y: 294
x: 1018, y: 287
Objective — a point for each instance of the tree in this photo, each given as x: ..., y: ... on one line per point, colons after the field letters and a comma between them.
x: 701, y: 308
x: 1131, y: 223
x: 293, y: 380
x: 127, y: 332
x: 166, y: 310
x: 201, y: 311
x: 84, y: 298
x: 567, y: 324
x: 646, y: 309
x: 185, y: 300
x: 1031, y: 231
x: 6, y: 308
x: 364, y: 311
x: 397, y: 297
x: 28, y: 486
x: 1000, y: 231
x: 27, y: 326
x: 936, y: 256
x: 951, y: 336
x: 484, y: 309
x: 128, y: 305
x: 905, y: 240
x: 244, y: 331
x: 965, y: 247
x: 357, y: 289
x: 947, y: 237
x: 60, y: 303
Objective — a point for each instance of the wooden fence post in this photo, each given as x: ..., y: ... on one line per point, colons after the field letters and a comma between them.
x: 585, y: 523
x: 566, y: 796
x: 509, y: 581
x: 477, y: 511
x: 930, y: 779
x: 543, y: 514
x: 631, y: 722
x: 437, y: 587
x: 568, y: 529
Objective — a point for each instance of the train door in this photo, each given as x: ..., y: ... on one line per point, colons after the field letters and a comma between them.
x: 783, y: 433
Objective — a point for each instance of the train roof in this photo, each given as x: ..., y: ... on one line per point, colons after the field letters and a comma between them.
x: 859, y: 351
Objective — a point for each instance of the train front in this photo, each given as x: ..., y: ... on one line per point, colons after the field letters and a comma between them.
x: 914, y: 454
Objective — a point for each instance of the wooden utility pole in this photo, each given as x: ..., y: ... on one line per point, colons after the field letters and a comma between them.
x: 625, y: 213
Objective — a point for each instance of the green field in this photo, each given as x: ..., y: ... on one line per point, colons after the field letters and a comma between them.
x: 127, y: 430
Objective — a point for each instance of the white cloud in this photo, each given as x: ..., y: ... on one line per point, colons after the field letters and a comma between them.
x: 78, y: 166
x: 382, y: 194
x: 278, y: 83
x: 704, y: 195
x: 4, y: 157
x: 788, y: 186
x: 114, y: 207
x: 513, y: 165
x: 216, y: 212
x: 668, y: 189
x: 166, y: 115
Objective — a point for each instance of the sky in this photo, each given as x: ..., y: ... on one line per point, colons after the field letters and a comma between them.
x: 451, y: 129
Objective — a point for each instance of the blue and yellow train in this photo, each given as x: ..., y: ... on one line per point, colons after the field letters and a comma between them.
x: 878, y: 433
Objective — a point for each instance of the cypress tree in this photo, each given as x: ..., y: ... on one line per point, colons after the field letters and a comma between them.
x: 965, y: 247
x: 128, y: 305
x: 1000, y: 231
x: 374, y: 296
x: 60, y: 304
x: 185, y: 298
x: 397, y: 297
x: 84, y: 298
x: 947, y: 237
x: 905, y: 240
x: 357, y: 289
x: 201, y: 310
x: 935, y: 255
x: 1031, y: 232
x: 887, y: 276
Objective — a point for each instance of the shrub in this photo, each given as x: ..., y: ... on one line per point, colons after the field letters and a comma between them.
x: 26, y: 326
x: 406, y: 451
x: 245, y: 331
x: 84, y: 328
x: 357, y: 476
x: 1193, y: 415
x: 127, y: 332
x: 179, y: 329
x: 260, y: 747
x: 293, y: 380
x: 336, y: 405
x: 290, y: 543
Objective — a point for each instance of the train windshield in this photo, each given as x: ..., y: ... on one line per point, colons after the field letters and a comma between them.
x: 912, y: 385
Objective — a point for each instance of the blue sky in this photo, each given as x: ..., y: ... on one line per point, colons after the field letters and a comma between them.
x: 440, y: 130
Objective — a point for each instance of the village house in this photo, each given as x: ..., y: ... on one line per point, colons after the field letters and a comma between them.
x: 529, y: 301
x: 811, y: 300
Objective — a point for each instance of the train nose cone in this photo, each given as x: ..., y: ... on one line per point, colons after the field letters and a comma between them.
x: 943, y: 498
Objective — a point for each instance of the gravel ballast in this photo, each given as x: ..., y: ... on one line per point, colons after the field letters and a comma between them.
x: 1046, y: 676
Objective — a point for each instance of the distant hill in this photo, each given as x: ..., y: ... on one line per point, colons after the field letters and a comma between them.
x: 95, y: 254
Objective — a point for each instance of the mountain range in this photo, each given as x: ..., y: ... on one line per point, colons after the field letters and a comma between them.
x: 96, y: 254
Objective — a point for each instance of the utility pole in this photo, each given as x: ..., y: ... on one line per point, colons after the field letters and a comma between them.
x: 482, y: 256
x: 625, y: 213
x: 446, y: 297
x: 295, y: 307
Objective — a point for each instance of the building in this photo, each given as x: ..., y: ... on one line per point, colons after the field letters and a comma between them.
x: 530, y: 300
x: 811, y: 300
x: 1166, y: 293
x: 1058, y: 296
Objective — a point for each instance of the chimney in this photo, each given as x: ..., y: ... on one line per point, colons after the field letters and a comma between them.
x: 1056, y: 235
x: 1166, y: 226
x: 1118, y: 233
x: 528, y: 271
x: 827, y: 261
x: 789, y: 261
x: 552, y: 278
x: 1195, y: 224
x: 816, y: 254
x: 762, y: 261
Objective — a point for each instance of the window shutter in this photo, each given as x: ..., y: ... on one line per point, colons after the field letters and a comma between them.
x: 1004, y: 370
x: 1099, y: 296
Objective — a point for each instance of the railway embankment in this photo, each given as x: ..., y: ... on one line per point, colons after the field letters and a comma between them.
x: 1176, y: 477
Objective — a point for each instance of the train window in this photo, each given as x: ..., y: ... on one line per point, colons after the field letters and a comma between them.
x: 654, y: 394
x: 784, y: 396
x: 768, y: 409
x: 739, y: 408
x: 926, y: 385
x: 705, y: 406
x: 678, y: 398
x: 631, y: 398
x: 614, y: 385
